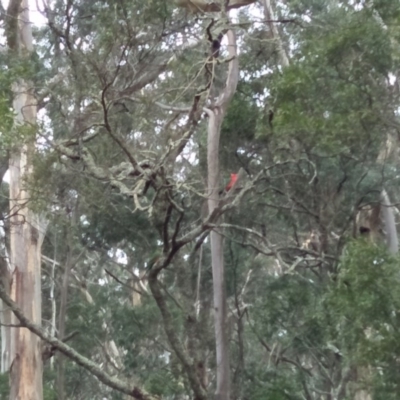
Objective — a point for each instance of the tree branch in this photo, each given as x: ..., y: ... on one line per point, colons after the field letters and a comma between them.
x: 173, y: 339
x: 90, y: 366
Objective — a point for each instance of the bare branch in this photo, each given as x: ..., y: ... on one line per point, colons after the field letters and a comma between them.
x: 114, y: 383
x: 173, y: 339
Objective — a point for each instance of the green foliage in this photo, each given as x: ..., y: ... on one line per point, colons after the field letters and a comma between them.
x: 365, y: 302
x: 162, y: 383
x: 49, y: 392
x: 331, y: 95
x: 12, y: 71
x: 239, y: 125
x: 353, y: 318
x: 4, y: 386
x: 298, y: 317
x: 7, y: 116
x: 268, y: 385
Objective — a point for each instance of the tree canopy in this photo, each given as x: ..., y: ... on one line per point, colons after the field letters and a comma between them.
x: 120, y: 171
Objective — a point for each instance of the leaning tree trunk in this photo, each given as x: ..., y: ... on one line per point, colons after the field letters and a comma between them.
x: 26, y: 234
x: 216, y: 115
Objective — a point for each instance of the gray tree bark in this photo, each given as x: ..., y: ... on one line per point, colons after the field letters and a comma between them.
x: 216, y: 115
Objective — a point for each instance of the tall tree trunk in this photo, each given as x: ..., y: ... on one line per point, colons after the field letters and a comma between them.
x: 216, y: 115
x: 26, y: 232
x: 270, y: 16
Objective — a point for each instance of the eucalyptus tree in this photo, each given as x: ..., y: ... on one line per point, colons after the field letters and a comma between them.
x: 100, y: 94
x: 142, y: 114
x: 21, y: 273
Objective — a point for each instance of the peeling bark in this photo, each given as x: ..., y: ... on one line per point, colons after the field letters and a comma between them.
x: 26, y: 229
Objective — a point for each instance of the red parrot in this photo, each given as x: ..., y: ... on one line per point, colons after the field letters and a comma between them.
x: 233, y: 180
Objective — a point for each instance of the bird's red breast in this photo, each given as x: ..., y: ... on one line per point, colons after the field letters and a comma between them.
x: 233, y: 180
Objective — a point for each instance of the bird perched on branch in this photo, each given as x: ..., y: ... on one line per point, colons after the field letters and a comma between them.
x: 234, y: 178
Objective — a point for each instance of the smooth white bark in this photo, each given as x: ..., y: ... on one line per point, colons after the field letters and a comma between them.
x: 26, y: 229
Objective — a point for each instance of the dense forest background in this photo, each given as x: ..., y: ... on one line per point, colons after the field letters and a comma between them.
x: 120, y: 172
